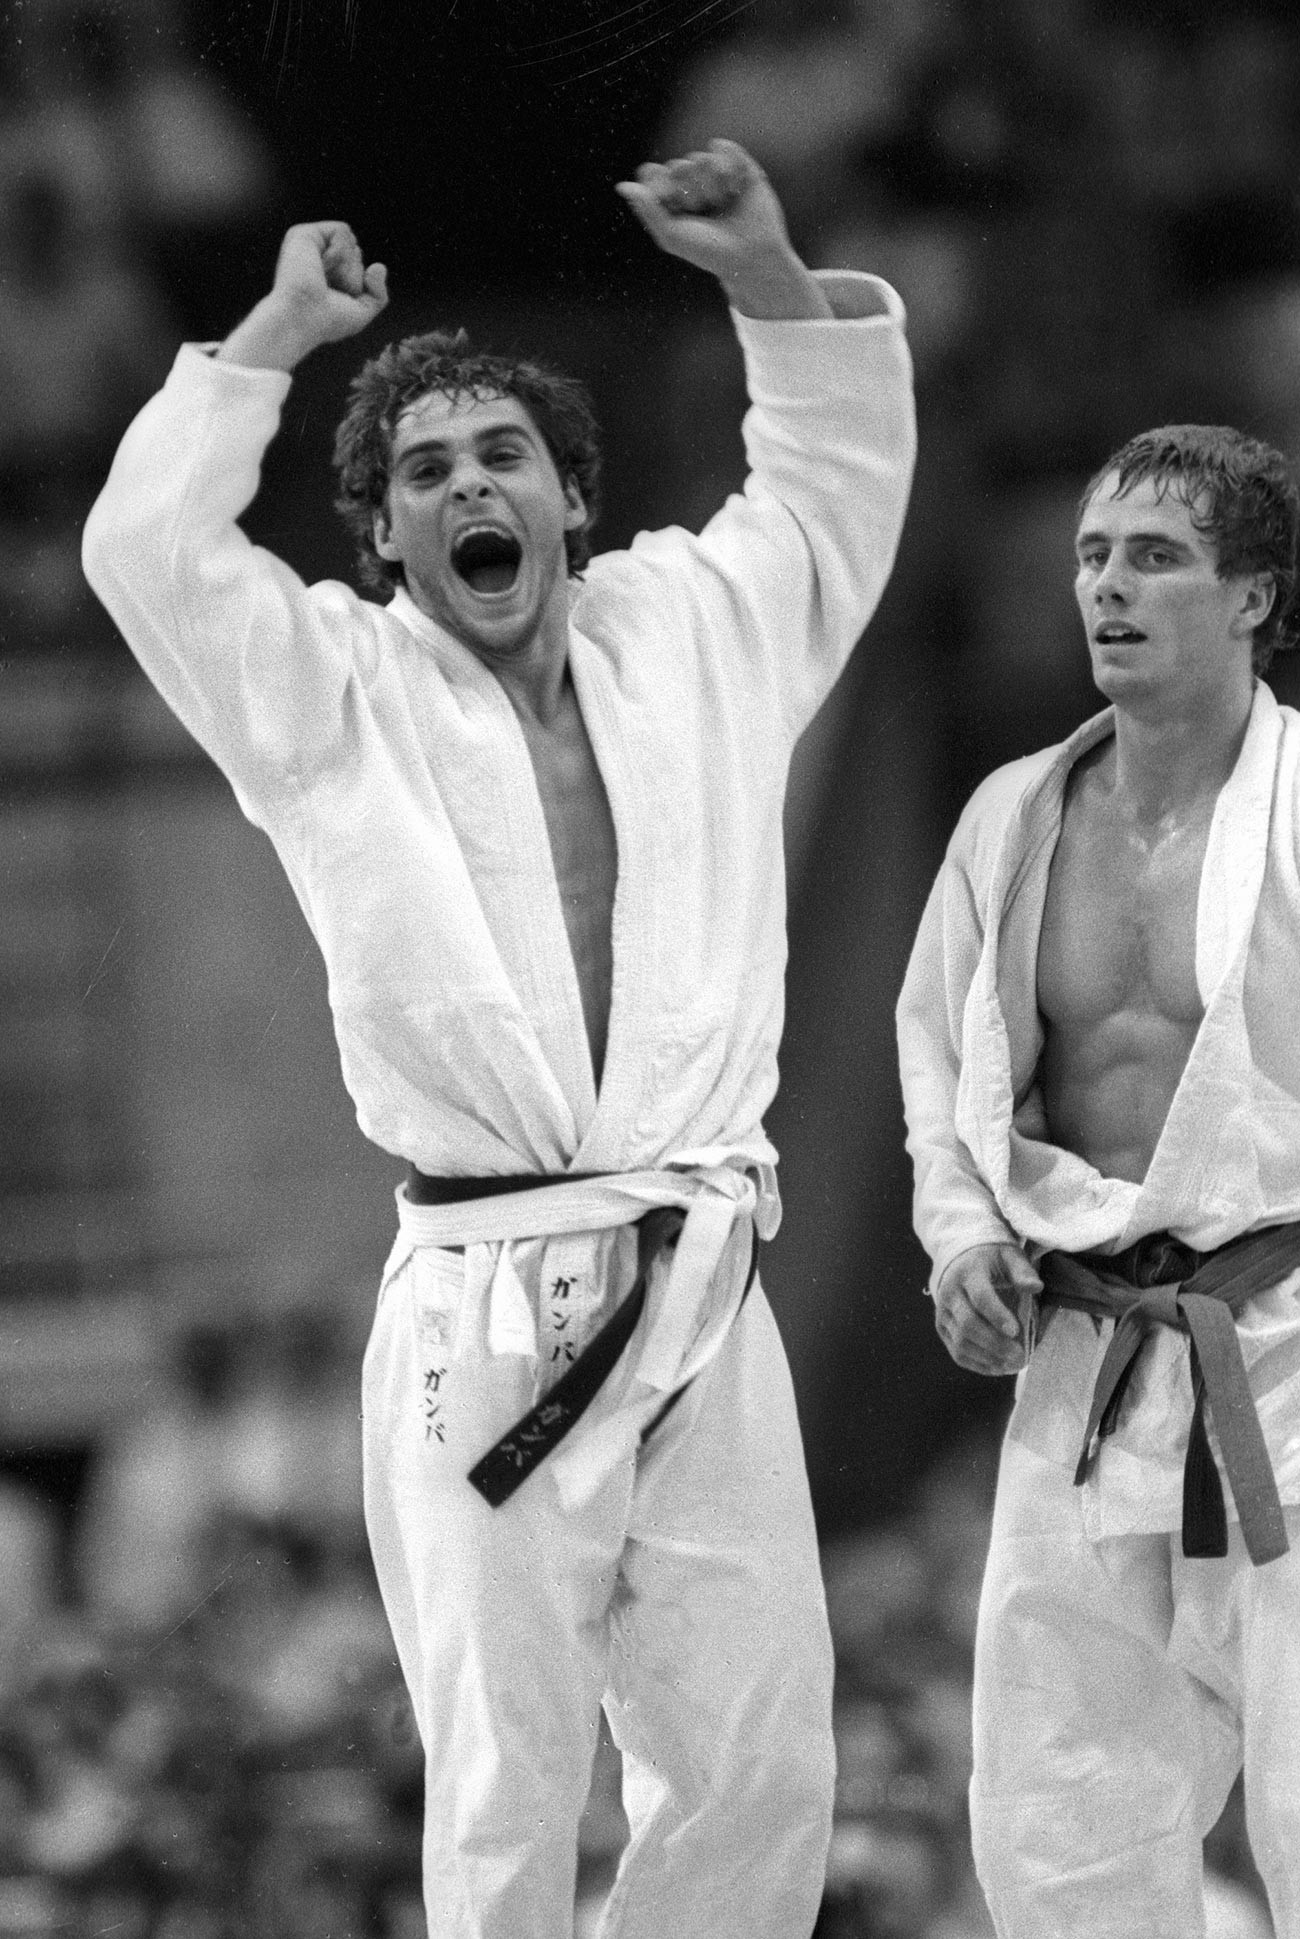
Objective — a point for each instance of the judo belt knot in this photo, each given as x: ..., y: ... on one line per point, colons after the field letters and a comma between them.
x: 510, y: 1461
x: 1200, y: 1302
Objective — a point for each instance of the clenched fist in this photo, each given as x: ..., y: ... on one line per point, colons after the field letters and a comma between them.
x: 323, y: 291
x: 716, y: 208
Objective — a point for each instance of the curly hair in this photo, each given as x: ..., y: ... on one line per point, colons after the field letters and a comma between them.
x: 444, y: 362
x: 1240, y: 494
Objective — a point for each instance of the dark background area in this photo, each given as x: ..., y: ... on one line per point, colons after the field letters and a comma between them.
x: 1090, y: 208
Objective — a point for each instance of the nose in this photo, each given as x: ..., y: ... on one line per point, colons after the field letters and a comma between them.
x: 470, y: 481
x: 1111, y: 582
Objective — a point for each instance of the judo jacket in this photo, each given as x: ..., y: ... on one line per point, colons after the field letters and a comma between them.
x: 1228, y: 1158
x: 387, y: 766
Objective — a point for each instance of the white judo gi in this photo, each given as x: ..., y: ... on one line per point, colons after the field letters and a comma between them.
x: 677, y: 1578
x: 1117, y: 1682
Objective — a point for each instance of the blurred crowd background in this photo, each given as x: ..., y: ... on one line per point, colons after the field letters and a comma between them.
x: 1091, y: 209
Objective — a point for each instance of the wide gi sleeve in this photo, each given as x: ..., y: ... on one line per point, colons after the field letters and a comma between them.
x: 953, y: 1206
x: 788, y: 572
x: 253, y: 662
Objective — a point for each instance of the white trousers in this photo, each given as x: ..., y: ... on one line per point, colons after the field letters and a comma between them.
x: 685, y: 1595
x: 1118, y: 1689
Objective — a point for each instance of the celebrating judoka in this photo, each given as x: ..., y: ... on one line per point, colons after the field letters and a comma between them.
x: 1101, y: 1064
x: 531, y: 807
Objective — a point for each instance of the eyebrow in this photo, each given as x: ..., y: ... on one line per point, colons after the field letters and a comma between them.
x: 1166, y: 539
x: 426, y: 447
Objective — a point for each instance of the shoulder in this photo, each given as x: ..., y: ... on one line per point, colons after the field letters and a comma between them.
x: 367, y: 632
x: 1001, y: 794
x: 650, y: 581
x: 984, y: 819
x: 1287, y: 760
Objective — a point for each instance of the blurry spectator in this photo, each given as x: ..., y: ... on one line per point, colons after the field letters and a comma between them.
x: 294, y: 1627
x: 143, y: 138
x: 120, y: 165
x: 258, y: 1426
x: 29, y: 1583
x: 82, y: 339
x: 294, y: 1445
x: 157, y: 1487
x: 28, y: 1555
x: 802, y: 84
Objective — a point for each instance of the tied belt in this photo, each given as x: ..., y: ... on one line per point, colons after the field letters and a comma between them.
x: 509, y: 1461
x: 1160, y: 1282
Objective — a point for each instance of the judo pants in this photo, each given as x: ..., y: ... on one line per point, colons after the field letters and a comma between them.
x: 684, y: 1594
x: 1118, y: 1689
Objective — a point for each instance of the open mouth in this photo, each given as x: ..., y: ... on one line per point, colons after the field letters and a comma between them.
x: 1118, y: 635
x: 486, y: 559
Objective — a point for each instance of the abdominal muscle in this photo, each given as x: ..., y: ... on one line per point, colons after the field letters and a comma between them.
x: 1117, y: 988
x: 1107, y: 1090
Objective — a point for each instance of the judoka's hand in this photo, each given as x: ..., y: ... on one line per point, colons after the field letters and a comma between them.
x: 983, y: 1308
x: 323, y: 291
x: 716, y: 208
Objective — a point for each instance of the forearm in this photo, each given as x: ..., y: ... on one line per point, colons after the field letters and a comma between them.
x: 775, y: 286
x: 829, y: 442
x: 954, y: 1206
x: 225, y: 631
x: 953, y: 1209
x: 270, y: 337
x: 717, y: 209
x: 323, y: 291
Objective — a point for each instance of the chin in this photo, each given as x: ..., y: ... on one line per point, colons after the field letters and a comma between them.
x: 501, y: 634
x: 1115, y: 681
x: 505, y: 635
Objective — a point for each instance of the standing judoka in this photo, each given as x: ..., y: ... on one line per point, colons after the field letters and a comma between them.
x: 1101, y: 1061
x: 534, y: 821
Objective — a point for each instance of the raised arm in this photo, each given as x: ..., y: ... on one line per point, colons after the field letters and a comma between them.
x: 323, y: 291
x: 252, y: 661
x: 715, y: 208
x: 788, y: 572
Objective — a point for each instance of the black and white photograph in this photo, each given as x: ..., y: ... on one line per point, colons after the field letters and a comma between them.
x: 649, y: 932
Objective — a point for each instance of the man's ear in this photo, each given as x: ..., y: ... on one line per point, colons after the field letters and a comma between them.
x: 382, y: 532
x: 1258, y: 594
x: 575, y: 506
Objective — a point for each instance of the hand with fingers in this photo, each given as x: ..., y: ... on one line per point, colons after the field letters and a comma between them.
x: 323, y: 291
x: 984, y: 1308
x: 715, y: 208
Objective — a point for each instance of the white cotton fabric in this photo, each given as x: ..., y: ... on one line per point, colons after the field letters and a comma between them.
x: 388, y: 768
x: 562, y: 1232
x: 685, y: 1593
x: 1119, y: 1686
x: 679, y: 1579
x: 1228, y: 1158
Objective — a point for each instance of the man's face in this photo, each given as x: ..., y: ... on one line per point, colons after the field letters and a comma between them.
x: 1160, y: 621
x: 476, y: 515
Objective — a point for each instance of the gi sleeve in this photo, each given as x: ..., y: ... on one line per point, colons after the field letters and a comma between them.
x: 953, y: 1206
x: 253, y: 662
x: 788, y: 572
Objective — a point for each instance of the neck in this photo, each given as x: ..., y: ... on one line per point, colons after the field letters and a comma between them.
x: 535, y: 671
x: 1171, y: 759
x: 535, y: 680
x: 530, y: 662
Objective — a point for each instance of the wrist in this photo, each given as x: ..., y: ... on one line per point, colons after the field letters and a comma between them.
x: 270, y: 337
x: 775, y: 286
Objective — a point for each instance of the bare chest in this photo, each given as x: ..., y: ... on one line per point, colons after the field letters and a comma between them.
x: 584, y: 855
x: 1118, y: 934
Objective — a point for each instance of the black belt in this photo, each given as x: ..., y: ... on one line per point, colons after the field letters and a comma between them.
x: 1160, y: 1282
x: 422, y: 1188
x: 510, y: 1461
